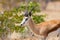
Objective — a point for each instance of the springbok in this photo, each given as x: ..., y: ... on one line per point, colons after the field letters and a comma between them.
x: 43, y: 28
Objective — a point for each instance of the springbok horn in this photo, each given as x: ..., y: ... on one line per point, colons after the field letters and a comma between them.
x: 31, y: 11
x: 26, y: 13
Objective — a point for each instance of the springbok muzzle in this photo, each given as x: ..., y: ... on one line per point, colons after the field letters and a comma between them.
x: 24, y: 21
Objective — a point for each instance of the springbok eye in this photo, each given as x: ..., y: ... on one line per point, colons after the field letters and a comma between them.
x: 26, y: 19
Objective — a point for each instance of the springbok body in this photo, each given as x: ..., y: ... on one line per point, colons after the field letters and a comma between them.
x: 43, y: 28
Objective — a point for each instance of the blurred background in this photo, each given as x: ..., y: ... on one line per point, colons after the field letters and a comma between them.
x: 9, y: 4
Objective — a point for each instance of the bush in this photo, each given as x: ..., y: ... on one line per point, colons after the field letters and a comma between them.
x: 9, y: 18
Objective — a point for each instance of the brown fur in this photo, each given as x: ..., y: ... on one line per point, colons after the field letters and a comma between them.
x: 44, y: 28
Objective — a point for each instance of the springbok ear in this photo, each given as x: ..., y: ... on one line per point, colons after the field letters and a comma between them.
x: 26, y: 14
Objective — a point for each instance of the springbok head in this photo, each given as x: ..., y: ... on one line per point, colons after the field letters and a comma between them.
x: 27, y: 16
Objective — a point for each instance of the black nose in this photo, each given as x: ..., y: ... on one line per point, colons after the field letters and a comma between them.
x: 21, y: 25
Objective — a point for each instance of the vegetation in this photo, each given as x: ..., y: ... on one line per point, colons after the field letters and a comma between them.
x: 39, y: 19
x: 9, y: 18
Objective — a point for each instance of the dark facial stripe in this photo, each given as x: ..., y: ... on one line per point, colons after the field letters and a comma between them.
x: 25, y: 20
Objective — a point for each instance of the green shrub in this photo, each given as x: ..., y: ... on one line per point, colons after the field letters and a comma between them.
x: 9, y: 18
x: 38, y: 19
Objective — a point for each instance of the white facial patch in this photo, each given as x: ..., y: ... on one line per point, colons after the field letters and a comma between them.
x: 24, y: 20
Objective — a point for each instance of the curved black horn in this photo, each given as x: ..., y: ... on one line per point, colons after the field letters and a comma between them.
x: 28, y: 14
x: 31, y: 11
